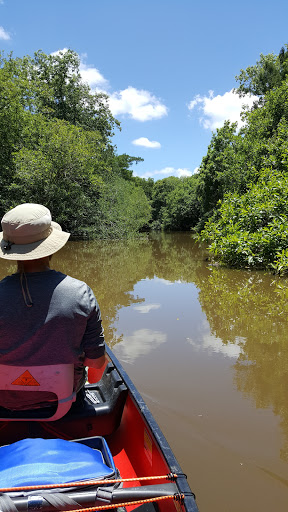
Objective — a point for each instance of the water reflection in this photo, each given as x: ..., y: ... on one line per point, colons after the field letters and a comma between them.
x: 250, y: 310
x: 215, y: 345
x: 139, y: 343
x: 238, y: 315
x: 146, y: 308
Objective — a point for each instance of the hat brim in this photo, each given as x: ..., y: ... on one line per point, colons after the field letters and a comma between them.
x: 53, y: 243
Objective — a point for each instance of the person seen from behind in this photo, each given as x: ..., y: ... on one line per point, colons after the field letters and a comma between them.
x: 46, y: 317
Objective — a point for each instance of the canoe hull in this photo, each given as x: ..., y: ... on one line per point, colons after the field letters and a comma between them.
x: 138, y: 446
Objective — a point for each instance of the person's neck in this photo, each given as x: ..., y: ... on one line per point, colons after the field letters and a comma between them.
x: 40, y: 265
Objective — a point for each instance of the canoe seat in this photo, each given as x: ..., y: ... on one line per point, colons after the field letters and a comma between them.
x: 97, y: 412
x: 100, y: 410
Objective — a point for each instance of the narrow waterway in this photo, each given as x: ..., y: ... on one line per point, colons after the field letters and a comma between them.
x: 208, y: 350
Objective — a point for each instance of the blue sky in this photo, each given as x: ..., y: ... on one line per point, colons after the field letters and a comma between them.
x: 168, y: 66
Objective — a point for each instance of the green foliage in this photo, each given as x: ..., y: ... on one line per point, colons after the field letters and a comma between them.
x: 249, y: 230
x: 243, y: 178
x: 63, y: 155
x: 174, y: 203
x: 146, y: 184
x: 217, y: 170
x: 280, y: 264
x: 63, y: 95
x: 234, y: 160
x: 181, y: 210
x: 267, y: 74
x: 161, y: 190
x: 121, y: 165
x: 123, y: 210
x: 13, y: 118
x: 56, y: 149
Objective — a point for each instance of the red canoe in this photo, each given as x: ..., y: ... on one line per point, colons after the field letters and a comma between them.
x: 143, y: 473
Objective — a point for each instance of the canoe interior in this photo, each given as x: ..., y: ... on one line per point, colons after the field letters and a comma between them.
x: 138, y: 446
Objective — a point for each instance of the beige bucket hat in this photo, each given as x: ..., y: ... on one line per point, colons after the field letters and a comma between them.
x: 29, y: 233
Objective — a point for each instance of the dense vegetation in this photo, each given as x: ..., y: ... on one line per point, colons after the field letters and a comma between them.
x: 56, y: 137
x: 244, y: 177
x: 56, y: 149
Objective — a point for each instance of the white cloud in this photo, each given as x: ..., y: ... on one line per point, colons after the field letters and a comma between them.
x: 93, y: 77
x: 171, y: 171
x: 146, y: 143
x: 167, y: 171
x: 59, y: 52
x: 138, y: 104
x: 89, y: 74
x: 4, y: 35
x: 216, y: 109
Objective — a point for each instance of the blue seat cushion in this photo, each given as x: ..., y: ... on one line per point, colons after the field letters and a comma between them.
x: 53, y: 461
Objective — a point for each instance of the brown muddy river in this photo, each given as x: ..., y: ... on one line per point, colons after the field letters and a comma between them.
x: 208, y: 350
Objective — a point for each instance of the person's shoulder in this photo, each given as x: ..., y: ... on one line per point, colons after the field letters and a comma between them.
x: 8, y: 279
x: 70, y: 281
x: 78, y: 291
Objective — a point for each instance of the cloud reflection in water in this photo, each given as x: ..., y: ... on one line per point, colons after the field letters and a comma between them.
x: 146, y: 308
x: 215, y: 345
x: 138, y: 344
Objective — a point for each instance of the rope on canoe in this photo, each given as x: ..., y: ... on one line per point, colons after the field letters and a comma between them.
x: 170, y: 476
x: 176, y: 497
x: 7, y: 505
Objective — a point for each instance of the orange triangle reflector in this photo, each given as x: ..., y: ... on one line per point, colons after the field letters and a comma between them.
x: 26, y: 379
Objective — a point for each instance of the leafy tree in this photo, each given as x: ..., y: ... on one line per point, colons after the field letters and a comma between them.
x: 251, y: 230
x: 235, y: 159
x: 63, y: 94
x: 161, y: 190
x: 267, y: 74
x: 266, y: 128
x: 14, y: 116
x: 57, y: 149
x: 236, y: 165
x: 64, y: 171
x: 217, y: 173
x: 146, y: 184
x: 121, y: 165
x: 123, y: 210
x: 181, y: 211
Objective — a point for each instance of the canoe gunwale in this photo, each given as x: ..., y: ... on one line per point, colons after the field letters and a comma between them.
x: 164, y: 447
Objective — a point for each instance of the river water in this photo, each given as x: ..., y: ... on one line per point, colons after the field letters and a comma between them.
x: 207, y: 348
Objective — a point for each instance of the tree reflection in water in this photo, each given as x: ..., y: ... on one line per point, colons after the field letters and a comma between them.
x: 251, y: 309
x: 246, y: 309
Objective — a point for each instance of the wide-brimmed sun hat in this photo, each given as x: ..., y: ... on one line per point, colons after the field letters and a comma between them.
x: 29, y: 233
